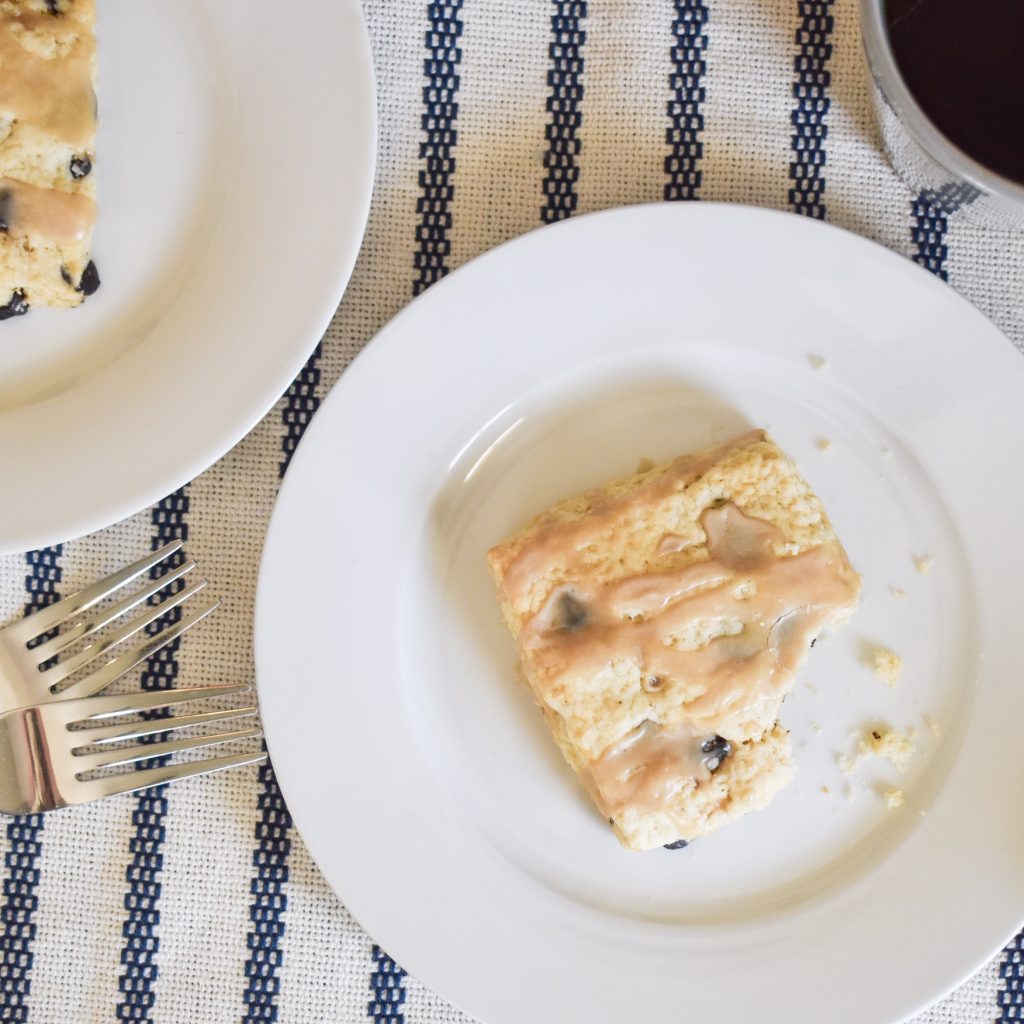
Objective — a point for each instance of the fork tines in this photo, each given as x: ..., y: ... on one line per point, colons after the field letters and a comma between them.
x: 85, y: 712
x: 155, y: 599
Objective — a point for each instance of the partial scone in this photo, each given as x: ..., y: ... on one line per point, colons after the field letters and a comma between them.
x: 47, y: 133
x: 661, y: 620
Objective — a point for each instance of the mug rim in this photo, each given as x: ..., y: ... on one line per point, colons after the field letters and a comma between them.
x: 921, y: 128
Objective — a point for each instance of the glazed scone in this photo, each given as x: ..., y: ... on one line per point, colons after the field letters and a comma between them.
x: 660, y: 621
x: 47, y: 135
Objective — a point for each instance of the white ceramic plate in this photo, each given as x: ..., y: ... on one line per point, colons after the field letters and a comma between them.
x: 412, y: 758
x: 236, y: 159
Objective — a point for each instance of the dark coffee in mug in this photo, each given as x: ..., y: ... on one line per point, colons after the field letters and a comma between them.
x: 963, y: 61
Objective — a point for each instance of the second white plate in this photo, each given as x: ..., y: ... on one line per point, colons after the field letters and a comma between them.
x: 235, y: 162
x: 411, y: 756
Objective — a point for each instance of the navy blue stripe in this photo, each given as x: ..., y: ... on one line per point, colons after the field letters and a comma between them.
x: 437, y: 191
x: 930, y: 213
x: 24, y: 839
x: 440, y: 111
x: 810, y: 111
x: 299, y: 405
x: 273, y: 843
x: 1011, y: 990
x: 682, y: 165
x: 565, y: 98
x: 140, y: 929
x: 928, y: 231
x: 269, y: 901
x: 387, y: 983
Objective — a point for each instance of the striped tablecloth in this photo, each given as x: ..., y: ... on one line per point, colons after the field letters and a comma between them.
x: 200, y: 903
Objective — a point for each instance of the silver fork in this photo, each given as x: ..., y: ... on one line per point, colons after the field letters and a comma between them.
x: 24, y: 681
x: 43, y: 760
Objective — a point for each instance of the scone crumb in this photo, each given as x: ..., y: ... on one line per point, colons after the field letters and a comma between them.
x: 933, y: 726
x: 924, y: 564
x: 825, y: 790
x: 644, y: 465
x: 896, y: 747
x: 818, y: 362
x: 824, y: 444
x: 882, y: 741
x: 893, y: 799
x: 897, y: 592
x: 887, y: 665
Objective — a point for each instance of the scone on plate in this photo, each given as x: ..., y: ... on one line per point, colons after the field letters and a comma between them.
x: 661, y: 620
x: 47, y: 135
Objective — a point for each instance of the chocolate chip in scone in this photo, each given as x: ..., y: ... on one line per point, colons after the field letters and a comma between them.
x: 678, y: 844
x: 90, y: 279
x: 16, y: 306
x: 65, y: 274
x: 80, y: 166
x: 5, y: 208
x: 54, y: 7
x: 715, y: 751
x: 572, y: 613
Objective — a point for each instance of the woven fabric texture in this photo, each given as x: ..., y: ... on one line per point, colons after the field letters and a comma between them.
x: 199, y: 902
